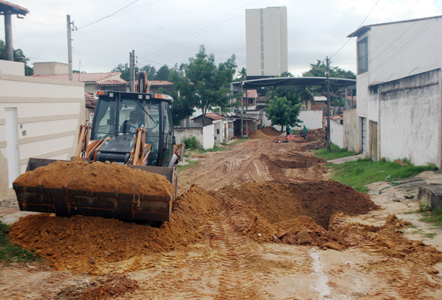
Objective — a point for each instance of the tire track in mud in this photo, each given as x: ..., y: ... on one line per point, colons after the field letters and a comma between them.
x: 236, y: 281
x: 220, y: 267
x: 242, y: 164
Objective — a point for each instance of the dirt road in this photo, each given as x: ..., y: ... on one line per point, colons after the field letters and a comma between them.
x: 262, y: 223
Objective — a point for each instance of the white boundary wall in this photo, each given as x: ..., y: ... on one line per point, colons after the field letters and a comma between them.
x: 312, y: 119
x: 208, y: 136
x: 204, y: 135
x: 337, y: 133
x: 48, y: 114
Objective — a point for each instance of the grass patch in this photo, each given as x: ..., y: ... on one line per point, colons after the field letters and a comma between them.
x: 358, y: 174
x: 334, y: 153
x: 10, y: 252
x: 191, y: 164
x: 430, y: 235
x: 434, y: 216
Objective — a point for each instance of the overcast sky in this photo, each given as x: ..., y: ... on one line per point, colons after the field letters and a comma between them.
x: 170, y: 31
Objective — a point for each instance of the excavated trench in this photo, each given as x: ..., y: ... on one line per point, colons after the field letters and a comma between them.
x: 279, y: 211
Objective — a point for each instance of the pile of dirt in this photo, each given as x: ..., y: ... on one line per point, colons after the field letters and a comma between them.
x: 98, y: 290
x: 317, y: 199
x: 92, y: 244
x: 314, y: 145
x: 97, y: 177
x: 387, y: 240
x: 304, y: 230
x: 270, y: 131
x: 292, y: 213
x: 298, y: 161
x: 260, y: 135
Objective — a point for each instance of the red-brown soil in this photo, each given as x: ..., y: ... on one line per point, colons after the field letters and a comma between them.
x: 318, y: 200
x: 255, y: 227
x: 270, y: 131
x: 98, y: 290
x: 96, y: 177
x: 89, y: 243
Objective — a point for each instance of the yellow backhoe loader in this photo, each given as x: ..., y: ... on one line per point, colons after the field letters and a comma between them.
x: 135, y: 129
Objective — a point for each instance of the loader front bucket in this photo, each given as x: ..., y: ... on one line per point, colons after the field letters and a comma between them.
x: 126, y: 207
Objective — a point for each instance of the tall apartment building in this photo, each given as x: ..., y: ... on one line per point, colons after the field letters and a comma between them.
x: 266, y: 41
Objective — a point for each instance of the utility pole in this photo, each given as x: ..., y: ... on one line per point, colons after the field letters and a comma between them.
x: 242, y: 109
x: 327, y: 73
x: 132, y: 70
x: 8, y: 37
x: 70, y: 29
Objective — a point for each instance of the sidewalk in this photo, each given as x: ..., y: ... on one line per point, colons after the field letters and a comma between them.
x: 345, y: 159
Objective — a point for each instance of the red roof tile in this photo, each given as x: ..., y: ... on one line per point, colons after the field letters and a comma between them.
x: 90, y: 100
x: 214, y: 116
x: 114, y: 82
x: 251, y: 94
x: 210, y: 115
x: 158, y: 83
x: 16, y: 9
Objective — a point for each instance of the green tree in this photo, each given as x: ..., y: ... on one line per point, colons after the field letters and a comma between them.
x: 184, y: 99
x: 283, y: 112
x: 163, y: 73
x: 151, y: 72
x: 305, y: 95
x: 125, y: 71
x: 19, y: 56
x: 209, y: 83
x: 288, y: 91
x: 242, y: 75
x: 319, y: 70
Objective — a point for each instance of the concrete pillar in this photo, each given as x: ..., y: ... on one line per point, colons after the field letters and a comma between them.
x: 8, y: 37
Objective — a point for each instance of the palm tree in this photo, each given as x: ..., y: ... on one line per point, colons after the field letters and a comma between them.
x: 305, y: 96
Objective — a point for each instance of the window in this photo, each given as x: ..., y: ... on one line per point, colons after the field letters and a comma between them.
x: 362, y: 56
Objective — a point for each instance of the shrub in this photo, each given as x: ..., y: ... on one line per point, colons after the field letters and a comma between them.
x: 191, y: 143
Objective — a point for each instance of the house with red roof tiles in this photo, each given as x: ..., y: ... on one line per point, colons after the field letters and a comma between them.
x: 92, y: 81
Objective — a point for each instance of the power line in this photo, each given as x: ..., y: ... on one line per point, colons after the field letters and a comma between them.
x: 348, y: 40
x: 108, y: 16
x: 200, y: 32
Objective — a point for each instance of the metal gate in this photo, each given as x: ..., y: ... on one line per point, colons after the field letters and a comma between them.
x: 364, y: 135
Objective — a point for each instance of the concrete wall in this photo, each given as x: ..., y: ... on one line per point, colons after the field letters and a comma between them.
x: 187, y: 132
x: 396, y: 51
x: 218, y: 132
x: 50, y: 68
x: 205, y: 136
x: 403, y: 48
x: 12, y: 68
x: 208, y: 136
x: 337, y: 133
x: 410, y: 119
x: 312, y: 119
x: 351, y: 131
x: 48, y: 114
